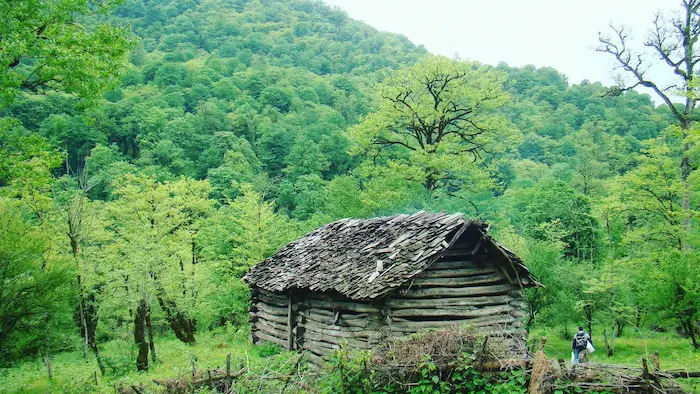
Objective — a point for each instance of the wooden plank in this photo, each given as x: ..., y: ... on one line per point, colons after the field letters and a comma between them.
x: 260, y: 315
x: 272, y: 330
x: 267, y: 308
x: 453, y: 312
x: 340, y: 333
x: 269, y: 338
x: 466, y: 252
x: 398, y: 303
x: 362, y: 322
x: 442, y: 265
x: 461, y: 281
x: 327, y: 326
x: 336, y: 341
x: 314, y: 358
x: 290, y: 321
x: 320, y: 313
x: 458, y: 292
x: 476, y: 322
x: 319, y: 351
x: 456, y: 272
x: 342, y: 305
x: 278, y: 326
x: 331, y: 313
x: 330, y: 346
x: 269, y: 297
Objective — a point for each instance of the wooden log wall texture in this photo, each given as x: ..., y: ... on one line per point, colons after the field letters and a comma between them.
x: 268, y: 317
x: 328, y: 322
x: 450, y: 292
x: 461, y: 290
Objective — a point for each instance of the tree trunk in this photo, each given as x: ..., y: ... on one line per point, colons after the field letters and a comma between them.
x: 183, y: 327
x: 81, y: 316
x: 620, y: 326
x: 638, y: 317
x: 609, y: 345
x: 140, y: 335
x: 47, y: 361
x: 686, y: 168
x: 91, y: 319
x: 588, y: 311
x: 691, y: 332
x: 151, y: 343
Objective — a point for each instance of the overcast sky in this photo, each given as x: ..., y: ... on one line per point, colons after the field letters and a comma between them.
x: 556, y: 33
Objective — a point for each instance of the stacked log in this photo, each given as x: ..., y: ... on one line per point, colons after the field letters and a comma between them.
x: 325, y: 323
x: 269, y: 317
x: 457, y: 291
x: 461, y: 290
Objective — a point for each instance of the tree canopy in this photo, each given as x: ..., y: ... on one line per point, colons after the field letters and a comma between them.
x: 219, y: 130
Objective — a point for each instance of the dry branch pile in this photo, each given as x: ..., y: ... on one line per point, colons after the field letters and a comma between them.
x: 614, y: 378
x: 447, y: 349
x: 443, y: 347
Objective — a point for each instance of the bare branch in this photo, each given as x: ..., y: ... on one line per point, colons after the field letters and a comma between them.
x: 632, y: 63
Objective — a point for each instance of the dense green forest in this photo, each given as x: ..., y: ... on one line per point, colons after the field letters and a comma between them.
x: 164, y: 147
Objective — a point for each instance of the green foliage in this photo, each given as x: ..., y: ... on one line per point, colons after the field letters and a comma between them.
x: 556, y: 212
x: 435, y: 117
x: 240, y: 125
x: 26, y: 161
x: 355, y: 373
x: 58, y: 46
x: 35, y: 287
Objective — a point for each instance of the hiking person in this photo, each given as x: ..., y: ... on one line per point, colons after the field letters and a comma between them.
x: 579, y: 344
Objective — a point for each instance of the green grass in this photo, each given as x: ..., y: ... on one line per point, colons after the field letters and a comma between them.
x: 72, y: 374
x: 674, y: 352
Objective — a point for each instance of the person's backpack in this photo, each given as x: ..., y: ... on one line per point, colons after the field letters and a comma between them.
x: 580, y: 339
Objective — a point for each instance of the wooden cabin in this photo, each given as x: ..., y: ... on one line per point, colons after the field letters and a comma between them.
x: 364, y: 281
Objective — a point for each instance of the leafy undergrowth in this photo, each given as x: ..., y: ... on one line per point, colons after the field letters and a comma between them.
x: 72, y: 374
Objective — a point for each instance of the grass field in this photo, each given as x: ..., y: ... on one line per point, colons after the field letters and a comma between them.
x: 72, y: 374
x: 674, y: 352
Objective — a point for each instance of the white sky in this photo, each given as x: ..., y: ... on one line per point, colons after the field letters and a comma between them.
x: 556, y: 33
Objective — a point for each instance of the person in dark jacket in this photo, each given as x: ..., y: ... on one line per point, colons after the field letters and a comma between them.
x: 581, y: 339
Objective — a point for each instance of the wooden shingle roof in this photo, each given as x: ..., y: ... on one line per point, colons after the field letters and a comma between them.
x: 366, y: 258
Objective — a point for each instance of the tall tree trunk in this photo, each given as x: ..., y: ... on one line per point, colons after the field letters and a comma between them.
x: 49, y: 367
x: 151, y: 343
x: 691, y: 331
x: 638, y: 316
x: 83, y: 320
x: 588, y: 311
x: 91, y: 320
x: 140, y: 335
x: 686, y: 169
x: 610, y: 345
x: 87, y: 319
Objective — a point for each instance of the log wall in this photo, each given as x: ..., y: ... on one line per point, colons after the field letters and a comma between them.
x: 452, y: 291
x: 462, y: 290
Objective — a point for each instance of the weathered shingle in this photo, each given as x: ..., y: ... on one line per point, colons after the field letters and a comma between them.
x: 362, y: 258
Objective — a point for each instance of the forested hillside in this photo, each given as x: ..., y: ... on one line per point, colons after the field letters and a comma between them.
x: 236, y: 126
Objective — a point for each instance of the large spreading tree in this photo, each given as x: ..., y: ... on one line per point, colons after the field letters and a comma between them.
x: 438, y: 119
x: 672, y: 40
x: 658, y: 191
